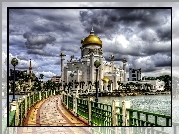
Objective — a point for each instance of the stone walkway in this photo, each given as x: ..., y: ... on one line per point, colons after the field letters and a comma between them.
x: 50, y: 112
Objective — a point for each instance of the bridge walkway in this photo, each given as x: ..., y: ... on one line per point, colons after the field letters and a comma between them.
x: 50, y: 112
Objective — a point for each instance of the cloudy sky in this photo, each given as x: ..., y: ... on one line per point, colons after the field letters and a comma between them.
x: 143, y: 36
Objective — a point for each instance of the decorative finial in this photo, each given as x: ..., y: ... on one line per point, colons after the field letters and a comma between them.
x: 92, y: 31
x: 124, y: 60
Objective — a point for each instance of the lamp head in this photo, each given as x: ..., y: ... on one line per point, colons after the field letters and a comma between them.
x: 97, y: 63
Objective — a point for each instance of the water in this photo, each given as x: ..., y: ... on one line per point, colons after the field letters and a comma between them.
x: 151, y: 103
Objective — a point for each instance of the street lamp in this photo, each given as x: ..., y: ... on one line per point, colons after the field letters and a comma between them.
x: 97, y: 64
x: 14, y: 62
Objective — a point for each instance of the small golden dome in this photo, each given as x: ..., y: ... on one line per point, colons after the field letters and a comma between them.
x: 92, y: 39
x: 106, y: 80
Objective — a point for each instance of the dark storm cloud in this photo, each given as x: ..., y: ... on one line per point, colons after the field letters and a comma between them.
x: 163, y: 63
x: 164, y: 34
x: 37, y: 41
x: 70, y: 48
x: 51, y: 27
x: 161, y: 60
x: 43, y: 20
x: 41, y: 52
x: 111, y: 20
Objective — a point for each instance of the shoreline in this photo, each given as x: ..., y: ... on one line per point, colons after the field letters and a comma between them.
x: 114, y: 94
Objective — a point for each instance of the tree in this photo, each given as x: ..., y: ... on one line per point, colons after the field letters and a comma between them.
x: 58, y: 85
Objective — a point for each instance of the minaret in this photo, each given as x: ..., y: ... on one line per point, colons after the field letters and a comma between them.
x: 92, y: 67
x: 115, y: 86
x: 101, y: 75
x: 112, y: 61
x: 62, y: 55
x: 30, y: 73
x: 124, y: 68
x: 78, y: 77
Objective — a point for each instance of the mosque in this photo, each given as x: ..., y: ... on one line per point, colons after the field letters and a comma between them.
x: 83, y: 69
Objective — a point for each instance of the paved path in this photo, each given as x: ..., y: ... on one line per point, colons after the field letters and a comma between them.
x: 50, y: 112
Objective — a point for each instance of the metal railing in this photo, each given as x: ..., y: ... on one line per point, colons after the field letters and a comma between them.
x: 25, y: 103
x: 70, y: 103
x: 99, y: 114
x: 82, y: 108
x: 137, y: 121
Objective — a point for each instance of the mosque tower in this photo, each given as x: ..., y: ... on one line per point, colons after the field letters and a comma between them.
x: 30, y: 73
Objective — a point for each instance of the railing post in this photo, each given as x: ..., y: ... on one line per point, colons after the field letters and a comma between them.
x: 54, y: 93
x: 40, y: 96
x: 114, y: 121
x: 125, y: 117
x: 25, y: 97
x: 51, y: 92
x: 67, y: 101
x: 46, y: 94
x: 114, y: 112
x: 89, y: 110
x: 14, y: 106
x: 75, y: 104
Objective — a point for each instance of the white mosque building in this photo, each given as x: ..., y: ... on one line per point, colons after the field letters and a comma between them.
x: 83, y: 69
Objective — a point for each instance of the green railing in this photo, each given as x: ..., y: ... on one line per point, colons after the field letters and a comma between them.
x: 20, y: 115
x: 101, y: 114
x: 23, y: 110
x: 138, y: 121
x: 82, y: 108
x: 65, y: 100
x: 31, y: 100
x: 43, y: 94
x: 70, y: 103
x: 28, y: 99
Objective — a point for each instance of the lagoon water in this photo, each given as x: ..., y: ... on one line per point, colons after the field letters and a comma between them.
x: 152, y: 103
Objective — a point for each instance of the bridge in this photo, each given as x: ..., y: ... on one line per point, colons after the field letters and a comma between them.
x: 56, y: 108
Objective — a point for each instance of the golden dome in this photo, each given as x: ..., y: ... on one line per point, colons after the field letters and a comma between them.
x: 92, y: 39
x: 105, y: 79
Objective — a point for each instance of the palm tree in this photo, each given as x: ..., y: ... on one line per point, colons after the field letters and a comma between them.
x: 58, y: 85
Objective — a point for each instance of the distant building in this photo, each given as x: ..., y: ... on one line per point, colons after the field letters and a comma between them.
x: 134, y: 74
x: 56, y: 79
x: 18, y: 74
x: 156, y: 85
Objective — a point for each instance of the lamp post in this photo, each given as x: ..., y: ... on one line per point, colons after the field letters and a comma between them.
x: 97, y: 64
x: 14, y: 62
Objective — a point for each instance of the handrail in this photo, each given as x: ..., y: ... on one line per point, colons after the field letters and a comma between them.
x: 101, y: 114
x: 24, y: 105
